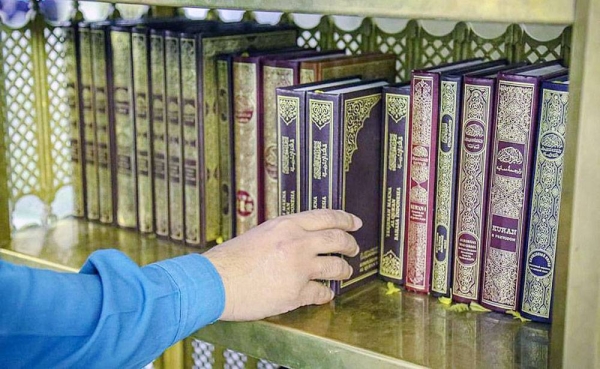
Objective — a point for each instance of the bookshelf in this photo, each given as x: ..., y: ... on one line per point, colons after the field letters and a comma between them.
x: 299, y: 337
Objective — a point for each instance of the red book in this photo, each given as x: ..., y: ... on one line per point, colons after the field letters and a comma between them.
x: 516, y: 122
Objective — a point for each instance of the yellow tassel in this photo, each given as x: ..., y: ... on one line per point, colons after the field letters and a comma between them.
x: 476, y: 307
x: 445, y: 300
x: 391, y: 289
x: 220, y: 240
x: 459, y: 308
x: 517, y: 315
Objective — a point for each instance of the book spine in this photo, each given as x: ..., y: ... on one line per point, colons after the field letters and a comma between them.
x: 103, y: 116
x: 159, y: 135
x: 421, y: 173
x: 174, y: 134
x: 393, y: 209
x: 308, y: 74
x: 89, y: 124
x: 516, y: 108
x: 124, y: 128
x: 143, y: 139
x: 477, y: 126
x: 542, y: 239
x: 445, y: 190
x: 290, y: 152
x: 247, y: 145
x: 192, y: 145
x: 211, y: 47
x: 72, y: 75
x: 273, y: 77
x: 323, y: 150
x: 225, y: 108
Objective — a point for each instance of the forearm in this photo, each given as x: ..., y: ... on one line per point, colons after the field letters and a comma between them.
x: 111, y: 314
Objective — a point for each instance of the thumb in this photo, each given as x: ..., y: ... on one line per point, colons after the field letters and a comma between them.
x: 315, y: 293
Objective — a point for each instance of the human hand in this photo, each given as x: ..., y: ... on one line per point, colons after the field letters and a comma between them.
x: 273, y: 268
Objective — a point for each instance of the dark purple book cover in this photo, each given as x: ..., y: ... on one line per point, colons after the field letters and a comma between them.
x: 474, y: 150
x: 396, y: 114
x: 291, y: 136
x: 516, y: 124
x: 345, y: 159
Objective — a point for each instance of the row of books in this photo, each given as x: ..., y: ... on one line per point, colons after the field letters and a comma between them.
x: 174, y: 120
x: 456, y: 176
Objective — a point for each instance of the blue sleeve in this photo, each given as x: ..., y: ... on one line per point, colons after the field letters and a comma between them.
x: 112, y: 314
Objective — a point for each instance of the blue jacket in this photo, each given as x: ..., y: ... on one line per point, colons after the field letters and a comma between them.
x: 112, y: 314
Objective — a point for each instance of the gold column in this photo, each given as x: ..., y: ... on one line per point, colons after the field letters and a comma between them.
x: 4, y: 193
x: 40, y: 77
x: 576, y: 327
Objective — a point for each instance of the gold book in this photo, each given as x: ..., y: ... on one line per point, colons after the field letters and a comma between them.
x: 143, y: 134
x: 72, y: 76
x: 89, y: 124
x: 104, y: 135
x: 126, y: 188
x: 174, y: 136
x: 159, y: 133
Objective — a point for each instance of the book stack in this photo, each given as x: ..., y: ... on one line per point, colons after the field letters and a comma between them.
x: 472, y: 171
x: 146, y: 142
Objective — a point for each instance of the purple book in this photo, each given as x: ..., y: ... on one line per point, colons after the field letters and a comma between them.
x: 396, y: 105
x: 278, y: 71
x: 344, y: 149
x: 422, y: 165
x: 476, y: 128
x: 291, y: 137
x: 512, y: 147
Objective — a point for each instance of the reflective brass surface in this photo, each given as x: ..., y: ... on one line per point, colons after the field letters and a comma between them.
x: 365, y: 328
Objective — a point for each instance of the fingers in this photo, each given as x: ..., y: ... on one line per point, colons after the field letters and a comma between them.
x: 330, y: 268
x: 316, y: 220
x: 315, y: 293
x: 334, y: 241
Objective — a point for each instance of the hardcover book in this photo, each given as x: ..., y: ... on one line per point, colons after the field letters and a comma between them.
x: 451, y: 91
x: 143, y: 131
x: 103, y: 115
x: 278, y: 71
x: 71, y: 45
x: 517, y: 100
x: 476, y: 128
x: 209, y: 43
x: 226, y: 144
x: 174, y: 136
x: 368, y: 66
x: 126, y: 184
x: 159, y: 133
x: 542, y: 238
x: 261, y: 90
x: 344, y: 159
x: 291, y: 136
x: 396, y: 113
x: 89, y: 123
x: 421, y: 173
x: 226, y: 136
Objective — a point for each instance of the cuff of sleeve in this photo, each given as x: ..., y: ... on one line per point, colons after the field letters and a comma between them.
x: 202, y: 294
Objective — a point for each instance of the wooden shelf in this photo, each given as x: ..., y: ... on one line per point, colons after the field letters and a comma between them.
x: 508, y: 11
x: 366, y: 328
